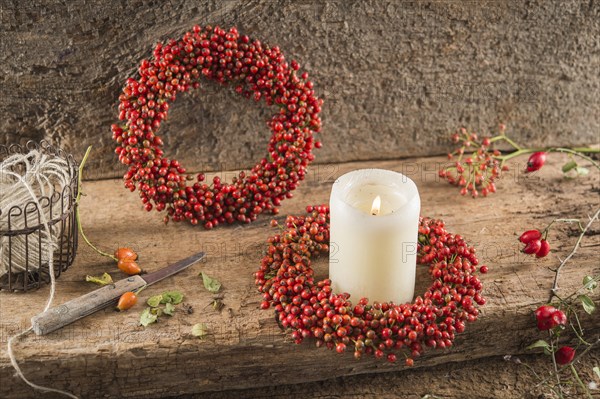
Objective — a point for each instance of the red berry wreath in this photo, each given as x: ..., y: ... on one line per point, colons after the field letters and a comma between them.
x: 259, y: 72
x: 311, y: 309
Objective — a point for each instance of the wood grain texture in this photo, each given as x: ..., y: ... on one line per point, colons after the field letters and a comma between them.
x: 396, y: 76
x: 85, y: 305
x: 109, y: 354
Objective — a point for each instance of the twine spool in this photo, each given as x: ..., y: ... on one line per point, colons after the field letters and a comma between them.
x: 26, y: 181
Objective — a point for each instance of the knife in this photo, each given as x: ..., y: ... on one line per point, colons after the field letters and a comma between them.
x: 75, y: 309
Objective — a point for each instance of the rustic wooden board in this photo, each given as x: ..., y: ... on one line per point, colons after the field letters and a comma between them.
x: 396, y: 76
x: 109, y: 354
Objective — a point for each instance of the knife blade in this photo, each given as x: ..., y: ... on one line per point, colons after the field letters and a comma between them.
x: 75, y: 309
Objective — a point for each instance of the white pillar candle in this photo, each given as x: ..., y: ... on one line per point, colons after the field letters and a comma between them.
x: 374, y: 231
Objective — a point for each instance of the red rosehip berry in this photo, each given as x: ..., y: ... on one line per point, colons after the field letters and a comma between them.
x: 532, y: 247
x: 530, y: 235
x: 536, y: 161
x: 543, y: 315
x: 559, y: 318
x: 564, y: 355
x: 548, y: 317
x: 544, y: 249
x: 127, y: 300
x: 483, y: 269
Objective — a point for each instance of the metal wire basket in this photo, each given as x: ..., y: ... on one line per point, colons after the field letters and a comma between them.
x: 23, y: 224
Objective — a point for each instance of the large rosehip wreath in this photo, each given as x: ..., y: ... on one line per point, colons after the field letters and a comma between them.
x: 259, y: 72
x: 311, y: 309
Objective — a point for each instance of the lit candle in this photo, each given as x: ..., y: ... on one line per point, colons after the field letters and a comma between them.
x: 374, y: 230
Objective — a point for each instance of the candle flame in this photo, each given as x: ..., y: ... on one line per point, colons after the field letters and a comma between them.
x: 375, y: 208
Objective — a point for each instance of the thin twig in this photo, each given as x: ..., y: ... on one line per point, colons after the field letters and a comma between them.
x: 576, y: 153
x: 586, y: 350
x: 78, y: 198
x: 559, y: 385
x: 581, y: 384
x: 595, y: 279
x: 579, y: 356
x: 554, y: 289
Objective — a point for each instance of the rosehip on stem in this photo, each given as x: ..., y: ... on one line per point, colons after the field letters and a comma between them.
x: 125, y: 253
x: 564, y: 355
x: 127, y: 300
x: 544, y: 249
x: 536, y: 161
x: 530, y: 235
x: 532, y: 247
x: 548, y: 317
x: 129, y: 267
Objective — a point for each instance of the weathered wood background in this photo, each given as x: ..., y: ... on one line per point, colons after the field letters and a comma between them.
x: 109, y: 354
x: 397, y: 76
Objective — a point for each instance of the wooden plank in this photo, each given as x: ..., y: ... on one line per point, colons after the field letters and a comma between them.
x: 108, y: 353
x: 440, y: 65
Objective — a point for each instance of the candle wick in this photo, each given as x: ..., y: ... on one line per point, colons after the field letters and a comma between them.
x: 376, y: 206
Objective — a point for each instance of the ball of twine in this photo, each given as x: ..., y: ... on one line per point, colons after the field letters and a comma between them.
x: 28, y: 184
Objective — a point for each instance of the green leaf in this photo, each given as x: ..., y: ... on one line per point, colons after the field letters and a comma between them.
x: 588, y: 304
x: 581, y: 171
x: 156, y: 311
x: 538, y: 344
x: 174, y: 297
x: 147, y: 317
x: 589, y: 283
x: 155, y: 300
x: 199, y: 330
x: 569, y: 166
x: 547, y: 351
x: 105, y: 279
x: 169, y: 309
x: 597, y: 371
x: 211, y: 284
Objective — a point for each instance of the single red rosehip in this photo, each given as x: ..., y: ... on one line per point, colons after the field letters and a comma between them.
x: 530, y: 235
x: 543, y: 315
x: 564, y: 355
x: 125, y: 253
x: 127, y: 300
x: 532, y: 247
x: 544, y: 249
x: 536, y: 161
x: 559, y: 318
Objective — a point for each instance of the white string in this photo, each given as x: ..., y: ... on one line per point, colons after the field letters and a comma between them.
x: 25, y: 178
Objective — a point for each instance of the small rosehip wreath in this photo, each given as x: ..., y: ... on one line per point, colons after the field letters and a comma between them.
x: 311, y: 309
x: 259, y: 72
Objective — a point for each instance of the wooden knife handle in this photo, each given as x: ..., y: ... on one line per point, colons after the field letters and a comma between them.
x: 59, y: 316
